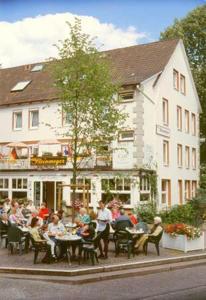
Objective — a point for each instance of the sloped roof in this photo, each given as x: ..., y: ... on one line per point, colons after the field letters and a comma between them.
x: 130, y: 65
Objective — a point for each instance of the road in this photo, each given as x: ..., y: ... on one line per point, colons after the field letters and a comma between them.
x: 185, y: 284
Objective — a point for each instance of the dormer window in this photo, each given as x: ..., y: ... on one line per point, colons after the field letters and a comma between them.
x: 37, y: 68
x: 20, y: 86
x: 127, y: 135
x: 126, y: 96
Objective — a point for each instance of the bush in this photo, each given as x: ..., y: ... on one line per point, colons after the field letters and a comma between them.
x: 146, y: 212
x: 187, y: 213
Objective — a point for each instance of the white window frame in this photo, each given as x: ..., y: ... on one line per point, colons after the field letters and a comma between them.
x: 187, y: 121
x: 129, y: 94
x: 165, y: 192
x: 166, y: 152
x: 15, y: 119
x: 179, y: 155
x: 175, y: 79
x: 182, y: 84
x: 194, y: 158
x: 165, y: 112
x: 193, y: 125
x: 145, y: 188
x: 187, y: 157
x: 31, y: 111
x: 179, y: 118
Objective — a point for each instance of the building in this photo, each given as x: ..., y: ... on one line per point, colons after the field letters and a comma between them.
x: 162, y: 133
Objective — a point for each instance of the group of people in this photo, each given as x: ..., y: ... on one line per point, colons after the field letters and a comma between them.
x: 45, y: 225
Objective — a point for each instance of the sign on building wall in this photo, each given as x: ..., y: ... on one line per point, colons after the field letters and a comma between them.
x: 162, y: 130
x: 48, y: 161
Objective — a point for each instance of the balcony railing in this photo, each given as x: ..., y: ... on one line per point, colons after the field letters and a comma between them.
x: 39, y: 163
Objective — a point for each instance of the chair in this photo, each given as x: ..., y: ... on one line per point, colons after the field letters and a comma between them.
x: 15, y: 237
x: 3, y: 235
x: 89, y: 249
x: 154, y: 240
x: 123, y: 241
x: 41, y: 247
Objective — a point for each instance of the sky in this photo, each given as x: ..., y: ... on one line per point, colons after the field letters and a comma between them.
x: 29, y: 28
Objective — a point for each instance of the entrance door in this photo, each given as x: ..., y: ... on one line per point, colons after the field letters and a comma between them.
x: 49, y: 193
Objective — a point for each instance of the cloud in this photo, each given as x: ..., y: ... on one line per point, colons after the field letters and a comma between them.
x: 32, y: 39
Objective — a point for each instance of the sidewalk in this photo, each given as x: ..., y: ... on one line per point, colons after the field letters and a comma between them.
x: 26, y: 260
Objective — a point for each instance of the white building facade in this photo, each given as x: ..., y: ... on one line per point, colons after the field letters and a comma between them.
x: 160, y: 136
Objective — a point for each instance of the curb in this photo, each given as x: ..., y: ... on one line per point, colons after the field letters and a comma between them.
x: 164, y: 262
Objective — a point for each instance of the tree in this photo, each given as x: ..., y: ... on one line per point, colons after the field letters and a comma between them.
x: 192, y: 30
x: 88, y: 97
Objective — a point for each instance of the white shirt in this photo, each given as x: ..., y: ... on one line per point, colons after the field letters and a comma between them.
x: 104, y: 217
x: 56, y: 228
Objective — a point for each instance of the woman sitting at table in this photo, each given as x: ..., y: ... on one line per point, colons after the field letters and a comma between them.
x: 44, y: 211
x: 15, y: 217
x: 155, y: 231
x: 34, y: 231
x: 83, y: 216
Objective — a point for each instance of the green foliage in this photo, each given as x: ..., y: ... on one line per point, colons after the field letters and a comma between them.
x: 146, y: 212
x: 192, y: 30
x: 187, y: 213
x: 203, y: 177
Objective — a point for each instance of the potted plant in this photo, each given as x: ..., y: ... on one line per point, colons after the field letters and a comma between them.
x: 182, y: 237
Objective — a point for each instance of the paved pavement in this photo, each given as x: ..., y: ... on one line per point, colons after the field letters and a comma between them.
x: 26, y: 260
x: 186, y: 284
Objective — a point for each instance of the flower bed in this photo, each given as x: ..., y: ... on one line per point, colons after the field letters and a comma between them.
x: 183, y: 237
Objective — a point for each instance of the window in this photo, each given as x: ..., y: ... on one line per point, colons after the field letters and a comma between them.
x: 175, y: 80
x: 37, y: 68
x: 17, y: 120
x: 19, y: 183
x: 194, y: 160
x: 33, y: 119
x: 19, y: 188
x: 187, y: 157
x: 81, y: 185
x: 180, y: 193
x: 127, y: 96
x: 166, y: 153
x: 182, y: 84
x: 166, y: 192
x: 4, y: 183
x: 179, y: 118
x: 165, y: 112
x: 118, y: 188
x: 66, y: 118
x: 127, y: 135
x: 187, y: 121
x: 144, y: 188
x: 193, y: 124
x: 20, y: 86
x: 194, y: 188
x: 187, y: 190
x: 179, y: 155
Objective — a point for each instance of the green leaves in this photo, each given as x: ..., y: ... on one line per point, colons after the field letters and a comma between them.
x: 192, y: 30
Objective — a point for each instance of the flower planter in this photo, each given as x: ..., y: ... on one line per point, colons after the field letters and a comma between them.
x: 181, y: 242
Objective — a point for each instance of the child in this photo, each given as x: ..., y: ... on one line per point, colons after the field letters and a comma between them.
x: 49, y: 241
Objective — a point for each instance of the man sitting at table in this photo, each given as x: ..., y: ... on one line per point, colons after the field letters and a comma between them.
x: 4, y: 222
x: 122, y: 222
x: 56, y: 227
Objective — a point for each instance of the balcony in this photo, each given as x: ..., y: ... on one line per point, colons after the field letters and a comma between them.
x: 52, y: 162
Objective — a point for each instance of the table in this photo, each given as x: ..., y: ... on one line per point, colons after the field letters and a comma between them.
x: 68, y: 240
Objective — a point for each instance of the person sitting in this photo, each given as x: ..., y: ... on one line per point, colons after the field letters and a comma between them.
x: 34, y: 231
x: 36, y: 215
x: 4, y: 222
x: 133, y: 218
x: 7, y: 205
x: 55, y: 227
x: 30, y: 206
x: 16, y: 218
x: 115, y: 213
x: 44, y: 211
x: 155, y: 231
x: 1, y: 207
x: 88, y: 232
x: 83, y: 216
x: 50, y: 242
x: 122, y: 222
